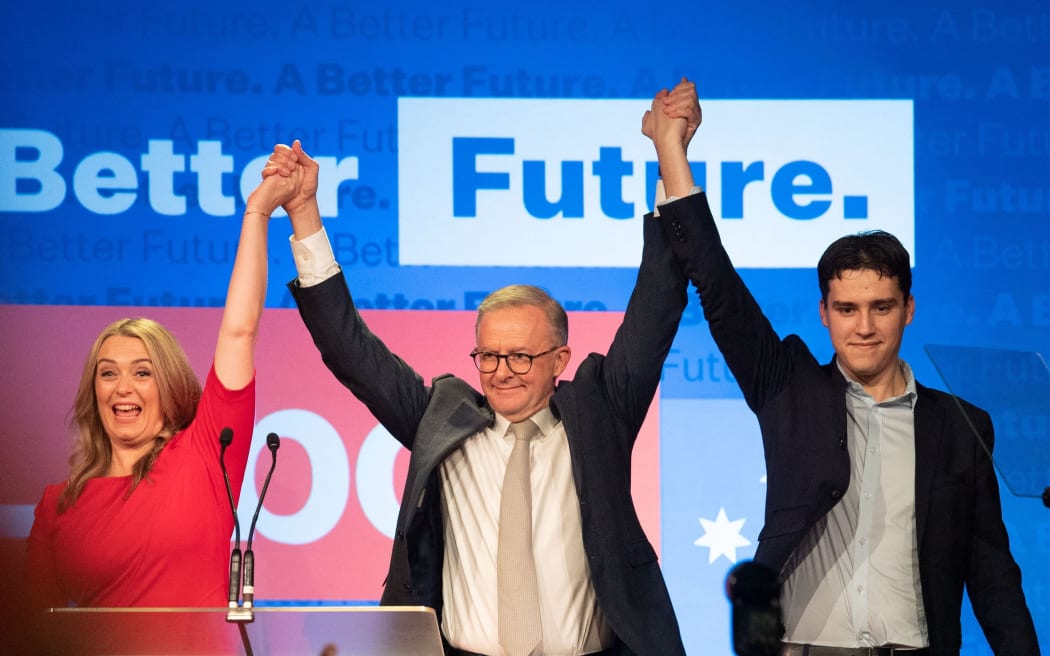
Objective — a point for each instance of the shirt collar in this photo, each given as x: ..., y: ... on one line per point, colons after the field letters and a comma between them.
x: 544, y: 419
x: 909, y: 397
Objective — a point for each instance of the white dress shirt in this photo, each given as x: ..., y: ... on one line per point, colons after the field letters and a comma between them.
x: 471, y: 482
x: 854, y: 579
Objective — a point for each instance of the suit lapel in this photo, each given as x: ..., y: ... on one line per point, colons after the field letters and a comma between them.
x: 929, y: 438
x: 450, y: 419
x: 465, y: 419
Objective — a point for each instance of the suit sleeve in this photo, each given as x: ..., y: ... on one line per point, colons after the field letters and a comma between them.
x: 632, y: 368
x: 394, y: 393
x: 993, y: 580
x: 752, y: 349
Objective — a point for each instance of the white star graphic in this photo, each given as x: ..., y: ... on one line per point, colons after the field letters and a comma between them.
x: 722, y: 537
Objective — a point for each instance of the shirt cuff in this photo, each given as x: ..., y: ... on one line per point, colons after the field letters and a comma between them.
x: 314, y: 258
x: 661, y: 200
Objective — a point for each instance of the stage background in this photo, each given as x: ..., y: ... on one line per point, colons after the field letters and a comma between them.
x: 130, y: 133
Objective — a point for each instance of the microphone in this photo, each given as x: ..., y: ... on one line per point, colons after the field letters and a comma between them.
x: 225, y: 439
x: 754, y: 592
x: 272, y: 443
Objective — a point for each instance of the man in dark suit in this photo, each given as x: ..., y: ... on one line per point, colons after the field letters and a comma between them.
x: 594, y: 576
x: 882, y: 504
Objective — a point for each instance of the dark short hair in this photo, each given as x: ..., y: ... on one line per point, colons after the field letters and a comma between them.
x: 875, y: 250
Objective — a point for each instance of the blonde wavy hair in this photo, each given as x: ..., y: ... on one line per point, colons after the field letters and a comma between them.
x: 178, y: 388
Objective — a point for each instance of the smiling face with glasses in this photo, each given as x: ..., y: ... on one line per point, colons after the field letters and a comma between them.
x: 517, y: 364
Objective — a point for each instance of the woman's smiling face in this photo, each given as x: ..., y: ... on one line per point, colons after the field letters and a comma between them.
x: 126, y: 392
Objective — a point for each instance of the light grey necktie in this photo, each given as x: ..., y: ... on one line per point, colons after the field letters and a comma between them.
x: 520, y: 627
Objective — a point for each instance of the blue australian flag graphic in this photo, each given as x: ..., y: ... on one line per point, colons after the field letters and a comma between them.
x: 712, y: 498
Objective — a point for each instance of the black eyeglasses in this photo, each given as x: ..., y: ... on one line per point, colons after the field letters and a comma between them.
x: 519, y: 363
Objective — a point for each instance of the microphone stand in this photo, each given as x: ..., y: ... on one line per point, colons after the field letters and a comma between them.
x: 272, y: 443
x: 235, y: 612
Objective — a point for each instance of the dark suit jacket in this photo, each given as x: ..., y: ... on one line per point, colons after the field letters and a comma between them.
x: 801, y: 409
x: 602, y: 409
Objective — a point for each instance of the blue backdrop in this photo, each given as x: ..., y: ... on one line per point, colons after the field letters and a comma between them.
x: 129, y: 131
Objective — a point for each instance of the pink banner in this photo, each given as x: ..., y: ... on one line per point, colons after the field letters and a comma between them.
x: 324, y: 532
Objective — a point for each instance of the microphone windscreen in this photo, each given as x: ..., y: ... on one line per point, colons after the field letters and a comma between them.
x: 272, y: 441
x: 752, y: 583
x: 226, y: 436
x: 754, y: 591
